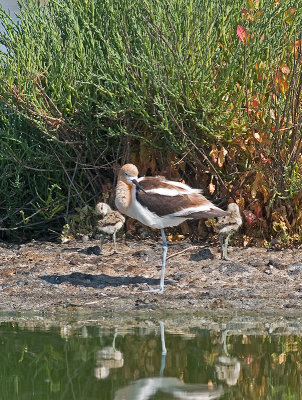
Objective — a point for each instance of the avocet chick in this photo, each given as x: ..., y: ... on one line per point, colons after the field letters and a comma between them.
x: 226, y: 226
x: 108, y: 358
x: 111, y: 222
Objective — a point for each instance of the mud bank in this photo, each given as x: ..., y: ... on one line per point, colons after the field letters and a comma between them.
x: 55, y: 277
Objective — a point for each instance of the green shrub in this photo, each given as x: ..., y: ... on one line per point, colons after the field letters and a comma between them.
x: 85, y: 85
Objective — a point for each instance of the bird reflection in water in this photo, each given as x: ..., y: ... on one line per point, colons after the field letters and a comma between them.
x: 108, y: 358
x: 227, y: 367
x: 144, y: 389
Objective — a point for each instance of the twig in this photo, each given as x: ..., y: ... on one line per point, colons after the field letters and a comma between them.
x: 201, y: 151
x: 160, y: 34
x: 70, y: 179
x: 182, y: 251
x: 69, y: 187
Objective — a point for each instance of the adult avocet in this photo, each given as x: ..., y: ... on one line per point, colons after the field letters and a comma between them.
x: 160, y: 203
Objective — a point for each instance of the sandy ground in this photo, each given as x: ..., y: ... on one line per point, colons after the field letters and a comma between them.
x: 55, y: 277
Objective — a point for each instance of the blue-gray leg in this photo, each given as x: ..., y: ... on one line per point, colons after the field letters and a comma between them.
x: 224, y: 246
x: 163, y: 348
x: 163, y: 262
x: 163, y: 265
x: 102, y: 242
x: 114, y: 242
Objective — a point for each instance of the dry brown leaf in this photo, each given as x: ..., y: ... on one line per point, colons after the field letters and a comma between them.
x: 221, y: 156
x: 246, y: 240
x: 259, y: 180
x: 175, y: 238
x: 284, y: 68
x: 211, y: 187
x: 240, y: 203
x: 214, y: 153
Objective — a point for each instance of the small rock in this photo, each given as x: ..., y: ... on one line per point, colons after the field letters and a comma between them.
x: 295, y: 269
x: 277, y: 264
x: 147, y: 255
x: 141, y: 254
x: 177, y: 276
x: 257, y: 263
x: 290, y: 305
x: 204, y: 294
x: 203, y: 254
x: 231, y: 269
x: 93, y: 250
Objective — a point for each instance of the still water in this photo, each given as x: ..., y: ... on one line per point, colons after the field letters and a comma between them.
x: 150, y: 360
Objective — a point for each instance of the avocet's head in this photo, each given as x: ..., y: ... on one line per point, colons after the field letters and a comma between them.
x: 102, y: 209
x: 128, y: 174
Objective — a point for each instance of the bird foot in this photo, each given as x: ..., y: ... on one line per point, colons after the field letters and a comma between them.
x: 152, y: 290
x: 226, y: 258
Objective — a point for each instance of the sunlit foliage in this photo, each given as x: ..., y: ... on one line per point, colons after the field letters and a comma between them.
x: 201, y: 90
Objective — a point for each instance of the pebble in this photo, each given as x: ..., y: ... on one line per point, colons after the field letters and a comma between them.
x: 295, y: 269
x: 177, y: 276
x: 277, y: 264
x: 203, y: 254
x: 93, y: 250
x: 257, y: 263
x: 231, y: 269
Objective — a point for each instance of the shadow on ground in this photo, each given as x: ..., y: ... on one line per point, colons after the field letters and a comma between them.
x: 99, y: 281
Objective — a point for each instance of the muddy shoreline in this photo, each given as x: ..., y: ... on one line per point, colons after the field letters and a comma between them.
x: 54, y: 277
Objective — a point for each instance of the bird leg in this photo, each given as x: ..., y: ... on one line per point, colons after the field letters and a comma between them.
x: 163, y: 348
x: 224, y: 246
x: 163, y: 265
x: 114, y: 242
x: 114, y: 337
x: 221, y: 241
x: 102, y: 242
x: 163, y: 262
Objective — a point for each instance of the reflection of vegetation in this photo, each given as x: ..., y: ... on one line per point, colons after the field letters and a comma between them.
x: 49, y: 365
x: 271, y: 366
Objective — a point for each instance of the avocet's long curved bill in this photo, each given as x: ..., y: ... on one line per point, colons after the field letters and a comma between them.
x: 136, y: 183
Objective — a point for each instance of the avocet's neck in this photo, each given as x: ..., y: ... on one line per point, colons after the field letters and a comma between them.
x: 123, y: 197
